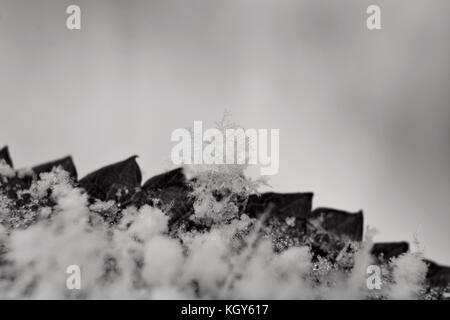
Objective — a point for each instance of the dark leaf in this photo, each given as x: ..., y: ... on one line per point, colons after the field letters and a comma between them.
x: 389, y: 250
x: 119, y: 181
x: 283, y: 204
x: 340, y: 222
x: 171, y: 178
x: 438, y: 275
x: 171, y: 189
x: 4, y: 155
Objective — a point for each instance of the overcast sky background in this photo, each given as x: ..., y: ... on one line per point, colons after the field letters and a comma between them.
x: 364, y: 116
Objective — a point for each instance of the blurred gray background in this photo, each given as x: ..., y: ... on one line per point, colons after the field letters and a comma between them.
x: 364, y: 116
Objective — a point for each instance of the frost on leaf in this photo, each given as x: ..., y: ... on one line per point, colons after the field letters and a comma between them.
x: 65, y: 163
x: 191, y: 233
x: 5, y: 170
x: 169, y: 191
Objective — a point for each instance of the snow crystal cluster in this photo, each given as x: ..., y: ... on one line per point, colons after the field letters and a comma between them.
x: 229, y: 255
